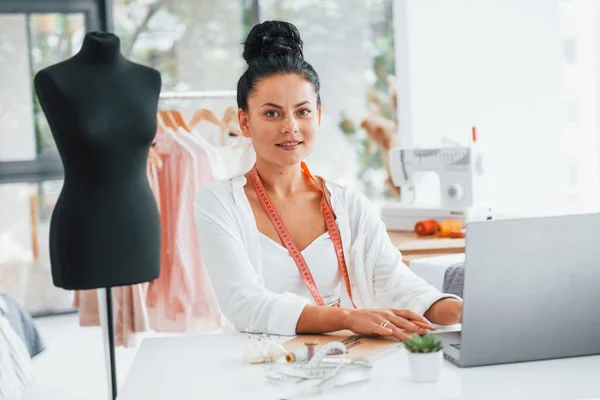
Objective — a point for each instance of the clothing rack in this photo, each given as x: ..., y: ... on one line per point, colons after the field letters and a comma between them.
x: 199, y: 95
x: 205, y: 94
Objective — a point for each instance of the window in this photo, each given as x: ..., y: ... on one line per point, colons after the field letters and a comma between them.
x: 31, y: 42
x: 25, y: 212
x: 350, y: 43
x: 33, y: 35
x: 53, y: 38
x: 194, y: 44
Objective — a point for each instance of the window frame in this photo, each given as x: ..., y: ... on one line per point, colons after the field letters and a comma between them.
x: 98, y: 16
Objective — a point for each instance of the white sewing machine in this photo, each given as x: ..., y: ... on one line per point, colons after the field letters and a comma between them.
x: 464, y: 193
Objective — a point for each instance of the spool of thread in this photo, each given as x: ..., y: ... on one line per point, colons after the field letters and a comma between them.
x: 427, y: 227
x: 297, y: 356
x: 311, y: 348
x: 305, y: 354
x: 445, y: 227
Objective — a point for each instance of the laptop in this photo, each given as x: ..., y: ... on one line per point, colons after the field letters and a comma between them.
x: 531, y: 291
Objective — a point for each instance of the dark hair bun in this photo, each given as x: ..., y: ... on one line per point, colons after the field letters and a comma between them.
x: 271, y: 38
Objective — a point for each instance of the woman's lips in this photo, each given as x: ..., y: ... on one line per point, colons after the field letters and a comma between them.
x: 289, y: 145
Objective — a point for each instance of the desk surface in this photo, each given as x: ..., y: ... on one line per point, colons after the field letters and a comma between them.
x: 211, y: 366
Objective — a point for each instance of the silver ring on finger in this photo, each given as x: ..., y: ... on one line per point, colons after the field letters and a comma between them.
x: 385, y: 323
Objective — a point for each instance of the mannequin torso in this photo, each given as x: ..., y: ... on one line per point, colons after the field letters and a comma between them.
x: 101, y: 108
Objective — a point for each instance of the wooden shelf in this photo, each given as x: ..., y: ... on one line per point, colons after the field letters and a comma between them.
x: 414, y: 247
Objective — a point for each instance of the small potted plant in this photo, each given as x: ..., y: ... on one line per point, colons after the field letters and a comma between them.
x: 425, y: 356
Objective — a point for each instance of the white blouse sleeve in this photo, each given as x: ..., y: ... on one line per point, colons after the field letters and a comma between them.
x: 243, y: 298
x: 394, y: 284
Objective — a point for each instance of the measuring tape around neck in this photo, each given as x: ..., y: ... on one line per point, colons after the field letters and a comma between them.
x: 287, y: 241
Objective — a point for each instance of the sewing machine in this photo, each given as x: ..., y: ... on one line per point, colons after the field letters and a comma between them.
x: 464, y: 193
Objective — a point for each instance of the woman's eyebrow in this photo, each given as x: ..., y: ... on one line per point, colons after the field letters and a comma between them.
x: 278, y: 106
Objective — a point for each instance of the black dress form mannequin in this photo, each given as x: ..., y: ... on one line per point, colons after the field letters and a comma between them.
x: 105, y: 229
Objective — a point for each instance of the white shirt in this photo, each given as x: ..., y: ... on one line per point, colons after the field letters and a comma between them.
x: 16, y: 368
x: 230, y: 245
x: 226, y: 161
x: 281, y: 274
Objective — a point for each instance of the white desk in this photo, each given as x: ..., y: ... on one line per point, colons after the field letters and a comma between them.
x: 211, y: 367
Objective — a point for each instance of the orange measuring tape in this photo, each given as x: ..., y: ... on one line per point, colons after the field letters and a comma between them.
x: 283, y: 233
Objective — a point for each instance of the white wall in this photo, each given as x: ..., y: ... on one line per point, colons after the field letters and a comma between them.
x: 581, y: 84
x: 497, y: 65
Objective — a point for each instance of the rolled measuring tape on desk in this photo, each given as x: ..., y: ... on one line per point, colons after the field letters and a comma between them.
x: 427, y: 227
x: 445, y: 228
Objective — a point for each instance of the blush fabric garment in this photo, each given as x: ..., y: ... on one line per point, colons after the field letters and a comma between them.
x: 182, y: 296
x: 205, y: 300
x: 130, y: 315
x: 281, y: 272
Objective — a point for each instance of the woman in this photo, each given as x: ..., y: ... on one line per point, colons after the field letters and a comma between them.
x: 296, y: 285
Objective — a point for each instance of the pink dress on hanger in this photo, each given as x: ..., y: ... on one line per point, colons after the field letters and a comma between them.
x: 129, y: 312
x: 182, y: 296
x: 206, y: 306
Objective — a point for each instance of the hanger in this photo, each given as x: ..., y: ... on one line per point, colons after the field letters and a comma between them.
x: 154, y: 158
x: 204, y: 114
x: 168, y: 119
x: 160, y: 121
x: 179, y: 120
x: 229, y: 119
x: 229, y: 114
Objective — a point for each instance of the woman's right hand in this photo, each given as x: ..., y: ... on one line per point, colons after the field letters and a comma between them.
x: 373, y: 322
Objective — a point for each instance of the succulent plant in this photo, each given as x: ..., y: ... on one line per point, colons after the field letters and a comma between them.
x: 423, y: 344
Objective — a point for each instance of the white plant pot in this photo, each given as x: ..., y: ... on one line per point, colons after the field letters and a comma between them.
x: 426, y: 367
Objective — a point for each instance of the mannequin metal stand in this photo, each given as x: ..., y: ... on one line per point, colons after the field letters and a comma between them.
x: 106, y: 321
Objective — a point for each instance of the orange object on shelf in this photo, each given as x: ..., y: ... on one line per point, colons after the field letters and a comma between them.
x: 457, y: 234
x: 445, y: 227
x: 427, y: 227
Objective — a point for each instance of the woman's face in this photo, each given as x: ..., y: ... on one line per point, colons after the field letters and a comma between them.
x: 282, y: 119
